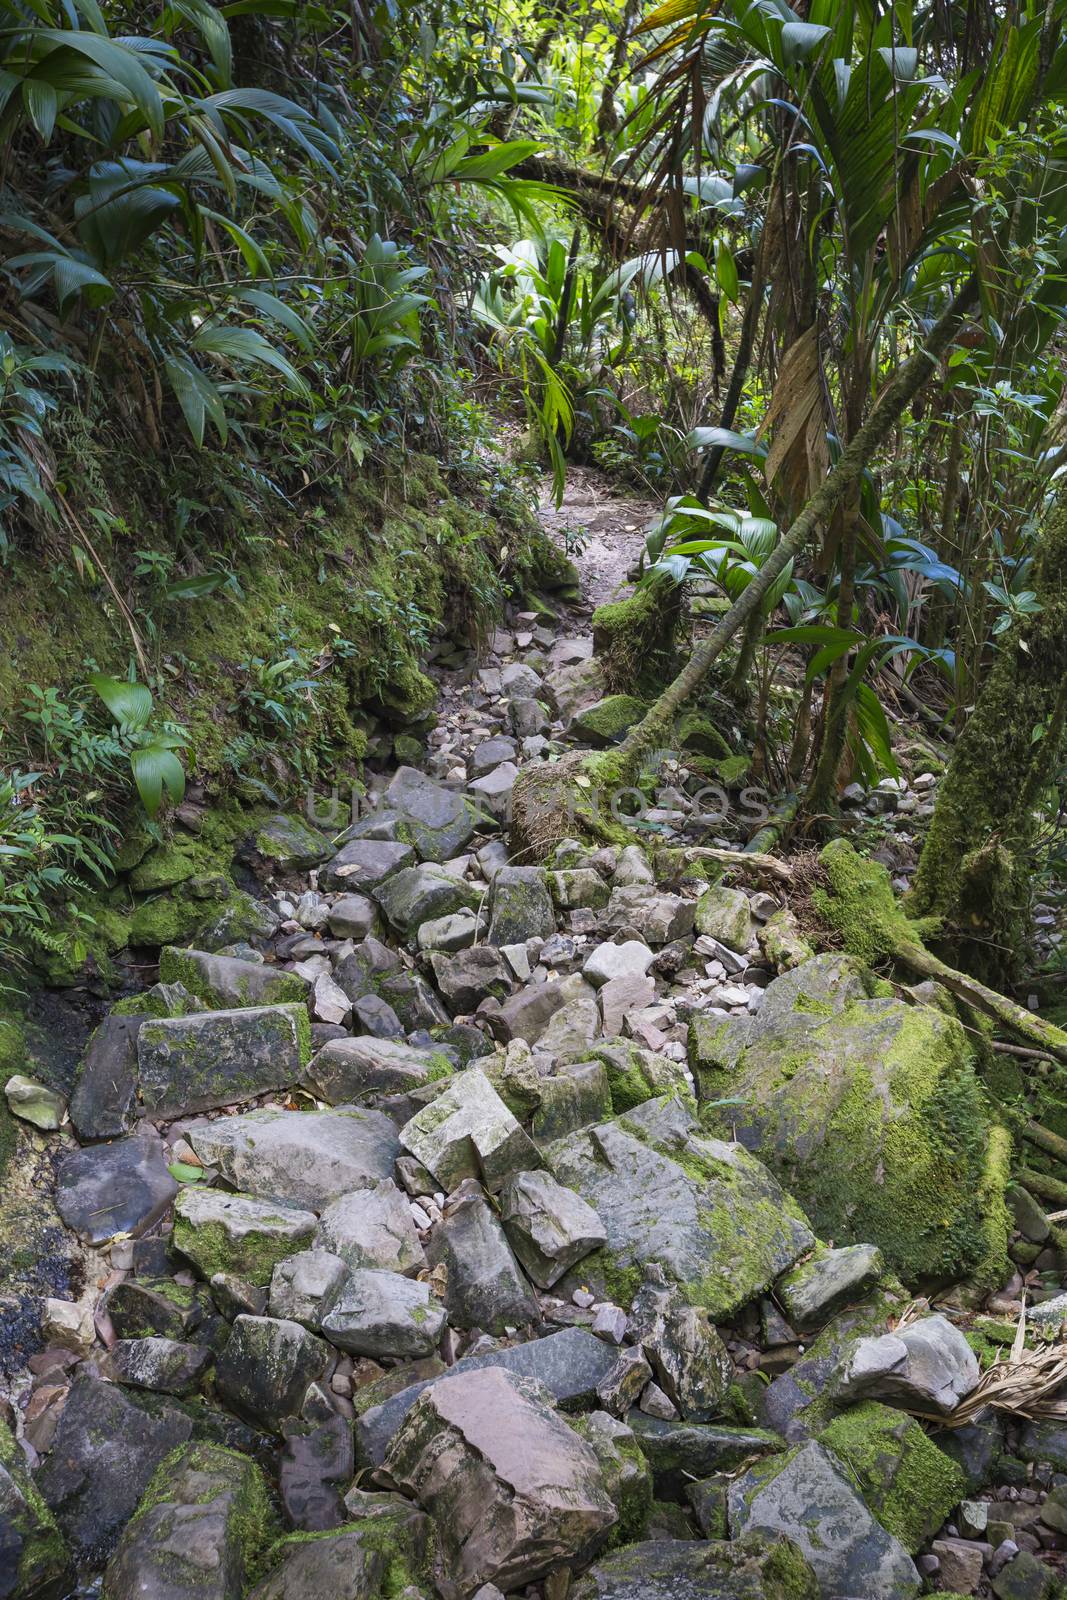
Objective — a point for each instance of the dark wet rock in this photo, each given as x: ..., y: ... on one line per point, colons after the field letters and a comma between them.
x: 549, y: 1227
x: 108, y: 1445
x: 203, y: 1524
x: 266, y: 1367
x: 362, y: 864
x: 675, y: 1569
x: 709, y: 1213
x: 223, y: 1232
x: 806, y: 1496
x: 513, y: 1490
x: 341, y: 1566
x: 219, y: 1058
x: 224, y: 982
x: 107, y: 1189
x: 438, y: 821
x: 678, y: 1452
x: 413, y: 1000
x: 34, y: 1561
x: 157, y: 1307
x: 372, y: 1228
x: 468, y: 1132
x: 306, y: 1158
x: 471, y: 976
x: 102, y: 1105
x: 570, y: 1364
x: 681, y: 1342
x: 832, y: 1279
x: 374, y: 1313
x: 520, y: 906
x: 316, y: 1465
x: 165, y: 1366
x: 419, y: 894
x: 375, y: 1016
x: 485, y: 1285
x: 527, y: 1014
x: 347, y: 1071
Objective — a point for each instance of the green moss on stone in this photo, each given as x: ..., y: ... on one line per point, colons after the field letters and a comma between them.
x: 908, y: 1483
x: 635, y: 639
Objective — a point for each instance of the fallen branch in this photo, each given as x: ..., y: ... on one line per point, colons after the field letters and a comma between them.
x: 1042, y: 1185
x: 753, y: 861
x: 1046, y: 1140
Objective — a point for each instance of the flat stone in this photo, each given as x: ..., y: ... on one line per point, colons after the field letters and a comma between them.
x: 108, y: 1189
x: 223, y: 1232
x: 679, y: 1452
x: 329, y: 1003
x: 34, y: 1102
x: 219, y: 1058
x: 513, y: 1490
x: 350, y: 1070
x: 342, y: 1566
x: 383, y: 1314
x: 437, y: 820
x: 620, y: 998
x: 631, y: 959
x: 449, y: 934
x: 102, y: 1104
x: 549, y: 1227
x: 468, y: 1132
x: 372, y: 1228
x: 806, y: 1497
x: 569, y: 1364
x: 305, y: 1158
x: 266, y: 1367
x: 489, y: 754
x: 485, y: 1287
x: 494, y: 789
x: 317, y: 1463
x: 224, y: 982
x: 960, y: 1564
x: 362, y: 864
x: 471, y: 976
x: 819, y: 1288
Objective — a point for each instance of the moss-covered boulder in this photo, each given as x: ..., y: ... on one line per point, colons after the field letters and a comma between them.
x: 635, y: 1075
x: 291, y: 844
x: 204, y: 1521
x: 220, y: 1058
x: 606, y: 722
x: 869, y: 1111
x: 666, y: 1569
x: 909, y: 1484
x: 634, y: 640
x: 222, y: 1232
x: 707, y: 1212
x: 33, y: 1555
x: 225, y: 981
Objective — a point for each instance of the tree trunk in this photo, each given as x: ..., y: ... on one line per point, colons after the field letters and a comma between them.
x: 625, y: 759
x: 972, y: 872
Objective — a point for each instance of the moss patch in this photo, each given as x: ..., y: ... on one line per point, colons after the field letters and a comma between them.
x: 908, y: 1483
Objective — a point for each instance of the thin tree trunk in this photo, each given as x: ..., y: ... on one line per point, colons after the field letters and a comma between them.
x: 607, y: 117
x: 842, y: 481
x: 742, y: 361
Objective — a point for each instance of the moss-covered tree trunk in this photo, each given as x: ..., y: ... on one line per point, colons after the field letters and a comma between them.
x: 972, y: 872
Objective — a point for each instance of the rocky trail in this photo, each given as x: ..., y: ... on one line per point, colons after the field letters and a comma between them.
x: 472, y: 1228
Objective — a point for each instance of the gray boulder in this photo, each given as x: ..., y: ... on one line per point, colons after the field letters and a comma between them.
x: 363, y: 864
x: 468, y: 1132
x: 225, y: 982
x: 347, y: 1071
x: 520, y: 906
x: 301, y: 1284
x: 337, y: 1566
x: 709, y: 1213
x: 806, y: 1497
x: 927, y: 1364
x: 198, y: 1533
x: 485, y: 1287
x: 661, y: 918
x: 107, y: 1189
x: 609, y: 962
x: 353, y: 916
x: 222, y: 1232
x: 421, y: 894
x: 437, y: 820
x: 266, y: 1367
x: 724, y: 914
x: 372, y: 1228
x: 550, y: 1228
x: 819, y: 1288
x: 219, y: 1058
x: 471, y: 976
x: 513, y: 1490
x: 306, y: 1158
x: 383, y: 1314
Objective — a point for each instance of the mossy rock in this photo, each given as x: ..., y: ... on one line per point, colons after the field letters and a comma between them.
x: 697, y: 732
x: 33, y: 1552
x: 909, y: 1484
x: 870, y: 1113
x: 608, y: 721
x: 635, y: 639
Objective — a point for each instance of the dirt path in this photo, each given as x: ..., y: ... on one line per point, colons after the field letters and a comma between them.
x: 602, y: 530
